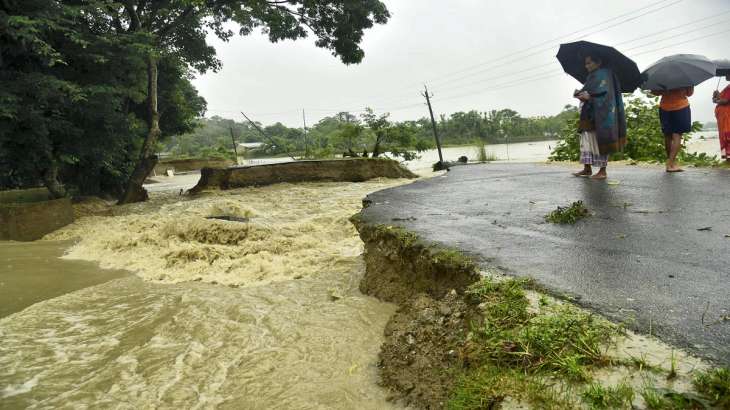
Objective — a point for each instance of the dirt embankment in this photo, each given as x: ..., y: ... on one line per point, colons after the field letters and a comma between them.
x: 341, y: 170
x: 424, y: 340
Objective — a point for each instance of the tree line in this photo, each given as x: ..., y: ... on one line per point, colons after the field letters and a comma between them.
x: 369, y: 134
x: 89, y: 88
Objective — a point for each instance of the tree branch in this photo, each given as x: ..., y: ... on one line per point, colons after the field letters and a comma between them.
x: 133, y: 16
x: 178, y: 21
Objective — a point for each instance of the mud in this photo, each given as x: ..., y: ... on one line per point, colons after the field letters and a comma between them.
x: 343, y: 170
x: 400, y: 267
x: 422, y: 351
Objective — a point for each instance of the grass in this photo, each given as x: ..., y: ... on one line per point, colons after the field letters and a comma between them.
x: 568, y: 215
x: 513, y: 350
x: 488, y: 386
x: 716, y: 385
x: 482, y: 154
x: 667, y: 399
x: 617, y: 397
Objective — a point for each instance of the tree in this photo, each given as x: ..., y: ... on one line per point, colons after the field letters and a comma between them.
x: 72, y: 94
x: 178, y: 28
x: 378, y: 126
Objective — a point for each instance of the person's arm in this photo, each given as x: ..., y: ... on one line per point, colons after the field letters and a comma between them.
x: 690, y: 91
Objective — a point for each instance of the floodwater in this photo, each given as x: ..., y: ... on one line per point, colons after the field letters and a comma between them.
x: 264, y: 313
x: 537, y: 151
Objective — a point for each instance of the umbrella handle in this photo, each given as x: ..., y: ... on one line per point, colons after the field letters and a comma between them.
x: 718, y: 84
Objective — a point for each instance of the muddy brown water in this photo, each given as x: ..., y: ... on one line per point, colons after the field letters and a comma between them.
x: 128, y: 343
x: 74, y: 335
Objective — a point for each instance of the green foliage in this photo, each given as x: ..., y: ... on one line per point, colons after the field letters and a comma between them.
x: 481, y: 150
x: 487, y: 386
x: 667, y: 399
x: 568, y: 146
x: 645, y: 140
x: 568, y: 215
x: 505, y: 304
x: 512, y: 350
x: 73, y: 96
x: 716, y: 385
x: 565, y: 340
x: 498, y: 126
x: 617, y: 397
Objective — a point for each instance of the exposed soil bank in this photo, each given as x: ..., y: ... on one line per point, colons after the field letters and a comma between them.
x: 342, y: 170
x: 467, y: 339
x: 27, y: 215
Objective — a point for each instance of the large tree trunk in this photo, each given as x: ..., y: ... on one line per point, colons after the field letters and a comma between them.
x: 50, y: 180
x: 147, y: 160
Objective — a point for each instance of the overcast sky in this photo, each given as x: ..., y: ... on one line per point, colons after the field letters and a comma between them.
x: 473, y: 54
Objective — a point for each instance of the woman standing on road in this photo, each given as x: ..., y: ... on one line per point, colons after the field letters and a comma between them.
x: 602, y: 118
x: 722, y: 112
x: 676, y: 118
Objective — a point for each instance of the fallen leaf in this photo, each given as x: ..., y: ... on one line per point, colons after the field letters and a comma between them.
x: 613, y: 182
x: 707, y: 228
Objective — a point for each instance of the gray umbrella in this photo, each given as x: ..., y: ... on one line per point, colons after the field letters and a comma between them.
x: 678, y: 71
x: 723, y: 67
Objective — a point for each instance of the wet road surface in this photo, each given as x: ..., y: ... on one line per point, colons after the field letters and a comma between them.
x: 655, y: 254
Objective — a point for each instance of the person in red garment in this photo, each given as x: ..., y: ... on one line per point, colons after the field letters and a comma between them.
x: 722, y: 113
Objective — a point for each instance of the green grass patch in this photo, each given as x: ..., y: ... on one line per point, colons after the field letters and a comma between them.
x: 667, y: 399
x: 487, y: 386
x: 513, y: 350
x: 568, y: 215
x: 616, y: 397
x: 715, y: 384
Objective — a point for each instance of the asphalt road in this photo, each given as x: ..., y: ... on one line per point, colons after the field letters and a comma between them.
x: 654, y: 253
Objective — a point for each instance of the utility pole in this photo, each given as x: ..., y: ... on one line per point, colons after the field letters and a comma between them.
x: 271, y: 140
x: 433, y: 124
x: 306, y: 143
x: 233, y: 140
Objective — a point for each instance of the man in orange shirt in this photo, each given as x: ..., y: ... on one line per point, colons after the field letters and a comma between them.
x: 676, y: 118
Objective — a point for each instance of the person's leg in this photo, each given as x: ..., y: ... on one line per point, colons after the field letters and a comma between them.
x: 602, y: 162
x: 676, y: 144
x: 586, y: 158
x: 668, y: 145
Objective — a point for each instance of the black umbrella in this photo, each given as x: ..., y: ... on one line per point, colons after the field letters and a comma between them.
x: 723, y: 67
x: 572, y: 58
x: 678, y: 71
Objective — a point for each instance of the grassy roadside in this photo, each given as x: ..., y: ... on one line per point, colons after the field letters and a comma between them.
x: 554, y: 355
x: 492, y: 341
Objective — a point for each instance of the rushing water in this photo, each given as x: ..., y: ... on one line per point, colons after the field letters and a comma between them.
x: 246, y: 333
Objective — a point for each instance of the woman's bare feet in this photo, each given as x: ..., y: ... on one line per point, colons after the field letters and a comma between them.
x: 587, y: 171
x: 674, y: 168
x: 600, y: 174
